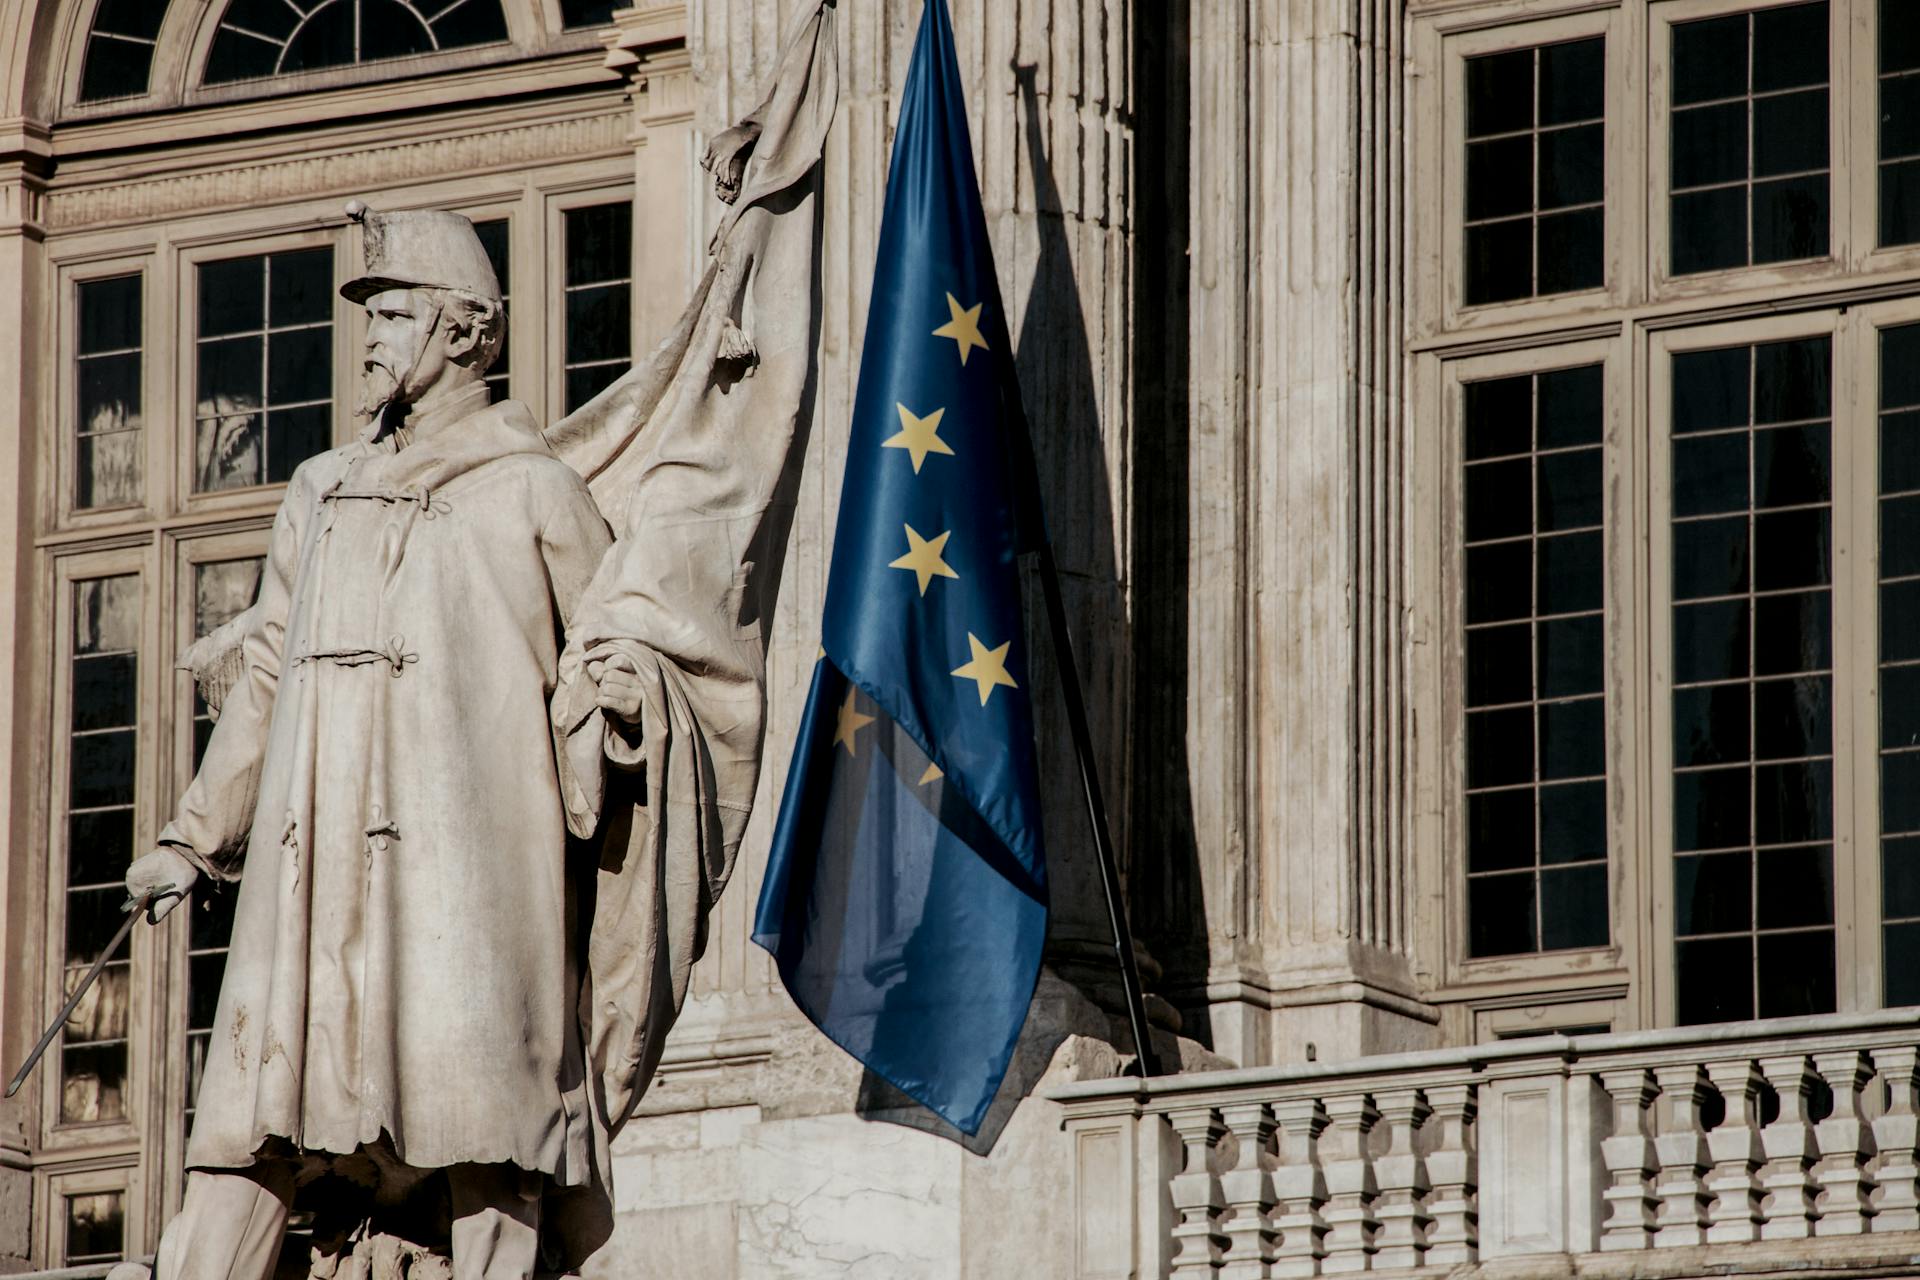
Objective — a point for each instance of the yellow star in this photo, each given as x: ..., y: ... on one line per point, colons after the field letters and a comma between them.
x: 964, y: 328
x: 851, y: 722
x: 923, y: 557
x: 933, y: 774
x: 987, y: 668
x: 918, y: 436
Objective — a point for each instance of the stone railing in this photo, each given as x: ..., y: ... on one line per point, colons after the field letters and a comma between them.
x: 1744, y: 1148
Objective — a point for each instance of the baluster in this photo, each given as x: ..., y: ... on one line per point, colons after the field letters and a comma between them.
x: 1351, y: 1226
x: 1788, y: 1142
x: 1247, y: 1188
x: 1896, y: 1134
x: 1453, y: 1166
x: 1682, y: 1148
x: 1735, y: 1147
x: 1629, y: 1157
x: 1402, y: 1175
x: 1846, y: 1145
x: 1300, y: 1185
x: 1197, y: 1242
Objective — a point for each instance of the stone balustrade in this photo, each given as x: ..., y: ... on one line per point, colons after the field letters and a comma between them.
x: 1742, y: 1148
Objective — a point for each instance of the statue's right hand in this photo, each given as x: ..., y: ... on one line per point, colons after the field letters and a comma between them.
x: 165, y: 875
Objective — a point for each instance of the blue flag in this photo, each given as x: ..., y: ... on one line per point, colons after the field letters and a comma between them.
x: 906, y: 896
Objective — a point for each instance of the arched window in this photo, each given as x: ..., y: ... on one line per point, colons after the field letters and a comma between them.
x: 260, y: 38
x: 120, y: 49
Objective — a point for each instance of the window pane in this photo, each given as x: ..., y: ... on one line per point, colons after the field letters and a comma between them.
x: 1500, y: 93
x: 108, y: 370
x: 494, y: 238
x: 1573, y: 81
x: 1899, y: 601
x: 1789, y: 47
x: 95, y: 1228
x: 1499, y: 261
x: 1533, y: 680
x: 1899, y: 147
x: 1571, y: 171
x: 1715, y: 980
x: 264, y: 37
x: 265, y: 342
x: 1710, y: 59
x: 1570, y: 251
x: 1790, y: 133
x: 599, y: 270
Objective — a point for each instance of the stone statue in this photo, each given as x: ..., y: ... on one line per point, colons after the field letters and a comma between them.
x: 481, y: 766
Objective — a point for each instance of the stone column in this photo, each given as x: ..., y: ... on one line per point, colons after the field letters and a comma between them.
x: 1298, y: 734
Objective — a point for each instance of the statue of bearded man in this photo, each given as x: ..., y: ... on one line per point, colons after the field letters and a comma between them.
x: 398, y: 1015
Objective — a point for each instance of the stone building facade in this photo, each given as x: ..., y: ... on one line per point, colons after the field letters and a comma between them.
x: 1480, y: 441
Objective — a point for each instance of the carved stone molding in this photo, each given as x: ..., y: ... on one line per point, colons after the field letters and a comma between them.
x: 344, y: 171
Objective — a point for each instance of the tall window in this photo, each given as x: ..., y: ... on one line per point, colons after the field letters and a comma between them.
x: 108, y: 369
x: 599, y: 290
x: 120, y: 49
x: 1536, y: 171
x: 103, y: 668
x: 264, y: 399
x: 1899, y: 122
x: 1749, y: 141
x: 494, y: 238
x: 1899, y: 591
x: 276, y: 37
x: 1535, y: 672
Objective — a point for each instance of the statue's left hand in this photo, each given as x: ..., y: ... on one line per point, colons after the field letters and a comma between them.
x: 619, y: 687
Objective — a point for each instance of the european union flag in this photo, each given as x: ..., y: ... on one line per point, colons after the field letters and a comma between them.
x: 906, y: 897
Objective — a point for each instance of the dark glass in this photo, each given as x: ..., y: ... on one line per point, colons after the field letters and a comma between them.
x: 1793, y: 803
x: 389, y: 30
x: 1790, y: 219
x: 1793, y: 380
x: 1713, y: 893
x: 1710, y: 725
x: 1899, y: 537
x: 599, y: 243
x: 1899, y: 117
x: 1789, y: 47
x: 1796, y: 974
x: 1573, y: 822
x: 96, y: 1227
x: 238, y: 55
x: 1715, y: 981
x: 1572, y: 167
x: 326, y: 39
x: 1499, y: 747
x: 99, y: 846
x: 1709, y: 230
x: 1573, y: 739
x: 587, y: 13
x: 1499, y: 261
x: 228, y: 451
x: 599, y: 324
x: 1499, y: 177
x: 1900, y: 202
x: 1500, y: 914
x: 211, y: 920
x: 1710, y: 145
x: 299, y: 365
x: 1901, y: 949
x: 93, y: 917
x: 106, y: 692
x: 1795, y: 887
x: 1496, y: 499
x: 115, y: 69
x: 1569, y: 573
x: 1900, y: 621
x: 293, y: 436
x: 273, y: 18
x: 1570, y: 255
x: 1899, y: 36
x: 1570, y: 405
x: 109, y: 392
x: 109, y: 314
x: 584, y: 384
x: 1792, y: 717
x: 138, y: 18
x: 1500, y: 829
x: 1899, y: 707
x: 229, y: 380
x: 1709, y: 59
x: 1497, y: 415
x: 1900, y: 451
x: 203, y: 988
x: 1791, y: 549
x: 1790, y: 133
x: 1792, y: 466
x: 475, y: 22
x: 1499, y: 92
x: 1569, y: 488
x: 1499, y: 665
x: 1710, y: 641
x: 1573, y: 81
x: 1573, y: 907
x: 102, y: 770
x: 300, y: 286
x: 1710, y: 474
x: 1710, y: 389
x: 1499, y: 581
x: 1900, y: 878
x: 103, y: 1097
x: 1900, y: 791
x: 494, y: 238
x: 1572, y: 656
x: 1900, y: 366
x: 232, y: 296
x: 1793, y: 633
x: 1710, y: 809
x: 1709, y: 558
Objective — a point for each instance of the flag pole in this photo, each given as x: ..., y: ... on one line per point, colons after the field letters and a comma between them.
x: 1096, y: 811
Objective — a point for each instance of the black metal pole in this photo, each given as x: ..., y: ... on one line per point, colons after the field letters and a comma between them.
x: 1096, y: 812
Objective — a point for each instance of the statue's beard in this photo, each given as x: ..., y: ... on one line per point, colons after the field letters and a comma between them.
x: 378, y: 389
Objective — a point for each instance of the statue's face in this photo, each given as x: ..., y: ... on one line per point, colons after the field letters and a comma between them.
x: 406, y: 348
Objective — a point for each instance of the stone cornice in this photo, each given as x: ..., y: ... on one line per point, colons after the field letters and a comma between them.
x: 648, y: 45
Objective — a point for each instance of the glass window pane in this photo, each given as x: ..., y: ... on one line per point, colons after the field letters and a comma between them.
x: 1900, y: 878
x: 1791, y: 549
x: 1715, y: 980
x: 1573, y: 907
x: 108, y: 451
x: 1573, y: 81
x: 1899, y: 117
x: 1901, y: 947
x: 1499, y: 665
x: 1569, y: 406
x: 1710, y: 474
x: 1500, y: 829
x: 1793, y: 633
x: 1500, y: 912
x: 599, y: 244
x: 1573, y: 822
x: 1709, y: 231
x: 1500, y: 93
x: 1498, y: 416
x: 1572, y: 656
x: 1793, y: 718
x: 1796, y: 887
x: 1709, y: 558
x: 388, y: 30
x: 1710, y: 144
x: 109, y: 315
x: 587, y: 13
x: 1499, y: 582
x: 232, y: 296
x: 1789, y: 46
x: 1790, y: 219
x: 300, y: 365
x: 1710, y: 725
x: 1711, y: 808
x: 95, y: 1228
x: 1573, y: 741
x: 1710, y: 389
x: 1793, y: 803
x: 1713, y: 893
x: 1792, y: 466
x: 1710, y: 59
x: 1499, y: 747
x: 1570, y: 573
x: 1499, y: 261
x: 115, y: 68
x: 1570, y: 251
x: 1710, y: 641
x: 1796, y: 974
x: 1900, y: 202
x: 300, y: 286
x: 1569, y: 490
x: 284, y: 361
x: 1499, y: 177
x: 1790, y: 133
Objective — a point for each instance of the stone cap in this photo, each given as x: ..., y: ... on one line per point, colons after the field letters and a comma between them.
x: 420, y: 249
